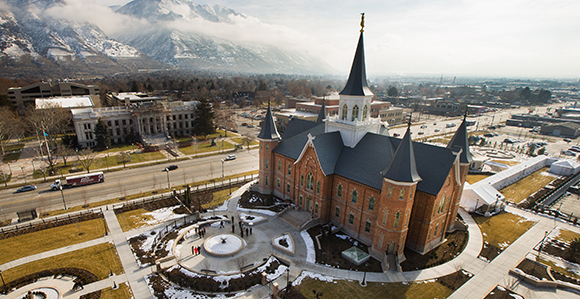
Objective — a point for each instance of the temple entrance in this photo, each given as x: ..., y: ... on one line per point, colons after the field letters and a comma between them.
x: 308, y: 205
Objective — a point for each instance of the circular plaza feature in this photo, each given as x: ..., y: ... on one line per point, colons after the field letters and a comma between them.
x: 223, y: 245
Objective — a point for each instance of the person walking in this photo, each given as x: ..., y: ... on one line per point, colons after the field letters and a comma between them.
x: 250, y: 230
x: 195, y: 250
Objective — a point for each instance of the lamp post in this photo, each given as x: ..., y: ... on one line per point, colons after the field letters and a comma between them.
x: 9, y: 169
x: 168, y: 185
x: 22, y: 168
x: 107, y: 160
x: 62, y: 194
x: 287, y: 279
x: 222, y: 168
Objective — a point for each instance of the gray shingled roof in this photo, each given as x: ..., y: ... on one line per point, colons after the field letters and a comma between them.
x: 321, y: 113
x: 357, y: 79
x: 402, y: 167
x: 297, y: 126
x: 372, y: 154
x: 460, y: 140
x: 269, y: 130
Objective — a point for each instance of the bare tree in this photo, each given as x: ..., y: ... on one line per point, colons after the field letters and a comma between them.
x: 64, y: 152
x: 123, y: 157
x: 195, y: 145
x: 247, y: 140
x: 50, y: 121
x: 85, y: 197
x: 154, y: 181
x: 9, y: 125
x: 87, y: 157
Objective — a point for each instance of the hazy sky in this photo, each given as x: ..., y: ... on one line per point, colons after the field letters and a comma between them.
x: 505, y: 38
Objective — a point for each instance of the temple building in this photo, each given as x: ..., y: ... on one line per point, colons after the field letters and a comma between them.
x: 389, y: 193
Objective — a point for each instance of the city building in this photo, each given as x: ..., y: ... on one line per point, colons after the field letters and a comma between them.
x: 151, y: 123
x: 386, y: 192
x: 23, y: 96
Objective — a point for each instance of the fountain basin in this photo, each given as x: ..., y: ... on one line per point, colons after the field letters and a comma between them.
x: 223, y: 245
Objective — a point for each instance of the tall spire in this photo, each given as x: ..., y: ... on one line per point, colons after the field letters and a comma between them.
x: 357, y: 79
x: 269, y: 130
x: 322, y: 113
x: 403, y: 167
x: 460, y: 140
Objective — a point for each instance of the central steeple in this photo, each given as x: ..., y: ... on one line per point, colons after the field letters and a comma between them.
x: 354, y: 114
x: 357, y: 79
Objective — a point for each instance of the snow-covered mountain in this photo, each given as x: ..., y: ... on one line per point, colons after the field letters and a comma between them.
x: 172, y: 34
x: 56, y: 46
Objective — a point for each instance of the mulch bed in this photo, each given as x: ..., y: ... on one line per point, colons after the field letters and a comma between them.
x: 266, y: 201
x: 81, y: 275
x: 454, y: 244
x: 454, y: 280
x: 535, y: 269
x: 560, y: 249
x: 332, y: 248
x: 149, y: 205
x: 502, y: 293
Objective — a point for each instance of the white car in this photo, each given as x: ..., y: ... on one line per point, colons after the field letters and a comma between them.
x: 230, y: 157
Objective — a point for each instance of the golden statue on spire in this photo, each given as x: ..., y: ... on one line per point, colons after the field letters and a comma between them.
x: 362, y: 22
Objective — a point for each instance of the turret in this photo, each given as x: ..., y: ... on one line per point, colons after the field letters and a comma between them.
x: 268, y: 139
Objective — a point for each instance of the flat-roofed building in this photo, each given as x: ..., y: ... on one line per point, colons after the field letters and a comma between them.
x: 27, y: 95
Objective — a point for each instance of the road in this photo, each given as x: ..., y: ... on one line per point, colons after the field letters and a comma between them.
x: 131, y: 181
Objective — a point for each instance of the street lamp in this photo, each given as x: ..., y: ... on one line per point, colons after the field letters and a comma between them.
x: 62, y: 194
x: 168, y: 185
x: 222, y: 168
x: 10, y: 169
x: 107, y: 160
x: 287, y: 279
x: 22, y: 168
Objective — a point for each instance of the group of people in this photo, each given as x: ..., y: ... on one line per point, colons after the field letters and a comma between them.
x: 195, y: 250
x: 242, y: 228
x: 200, y: 231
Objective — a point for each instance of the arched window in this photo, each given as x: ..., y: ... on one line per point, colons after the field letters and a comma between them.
x: 309, y: 181
x: 301, y: 180
x: 289, y: 169
x: 344, y: 112
x: 267, y: 164
x: 402, y: 194
x: 339, y: 192
x: 279, y: 165
x: 354, y: 196
x: 318, y: 187
x: 406, y: 218
x: 365, y: 112
x: 372, y: 203
x: 397, y: 217
x: 442, y: 203
x: 354, y: 113
x: 385, y: 215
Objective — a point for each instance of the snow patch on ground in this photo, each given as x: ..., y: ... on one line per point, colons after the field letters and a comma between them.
x: 312, y: 275
x: 310, y: 251
x: 259, y: 211
x: 288, y: 240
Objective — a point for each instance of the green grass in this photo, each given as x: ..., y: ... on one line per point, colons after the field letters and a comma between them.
x: 240, y: 141
x: 567, y: 235
x: 502, y: 229
x: 205, y: 147
x: 122, y: 292
x: 9, y: 157
x: 114, y: 148
x: 527, y: 186
x: 49, y: 239
x: 99, y: 260
x: 352, y: 289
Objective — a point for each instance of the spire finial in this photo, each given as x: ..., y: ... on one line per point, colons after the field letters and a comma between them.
x: 409, y: 123
x: 362, y: 22
x: 465, y: 114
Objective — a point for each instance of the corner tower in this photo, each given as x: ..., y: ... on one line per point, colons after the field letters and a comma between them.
x: 268, y: 139
x: 353, y: 120
x: 400, y: 180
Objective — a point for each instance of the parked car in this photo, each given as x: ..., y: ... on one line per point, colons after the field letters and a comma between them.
x: 567, y: 140
x: 171, y: 167
x: 423, y: 126
x: 244, y: 124
x: 488, y: 135
x: 507, y: 140
x: 450, y: 125
x: 230, y: 157
x: 437, y: 130
x: 26, y: 188
x: 568, y: 153
x: 421, y: 133
x: 396, y: 134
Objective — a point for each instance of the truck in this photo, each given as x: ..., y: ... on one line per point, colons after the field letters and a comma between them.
x: 78, y: 180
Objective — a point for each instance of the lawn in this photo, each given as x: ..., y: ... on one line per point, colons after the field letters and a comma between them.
x: 474, y: 178
x: 527, y: 186
x: 8, y: 149
x: 218, y: 198
x: 122, y: 292
x: 352, y: 289
x: 240, y: 141
x: 567, y: 235
x: 507, y: 162
x: 205, y: 147
x: 500, y: 231
x: 99, y: 260
x: 28, y: 244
